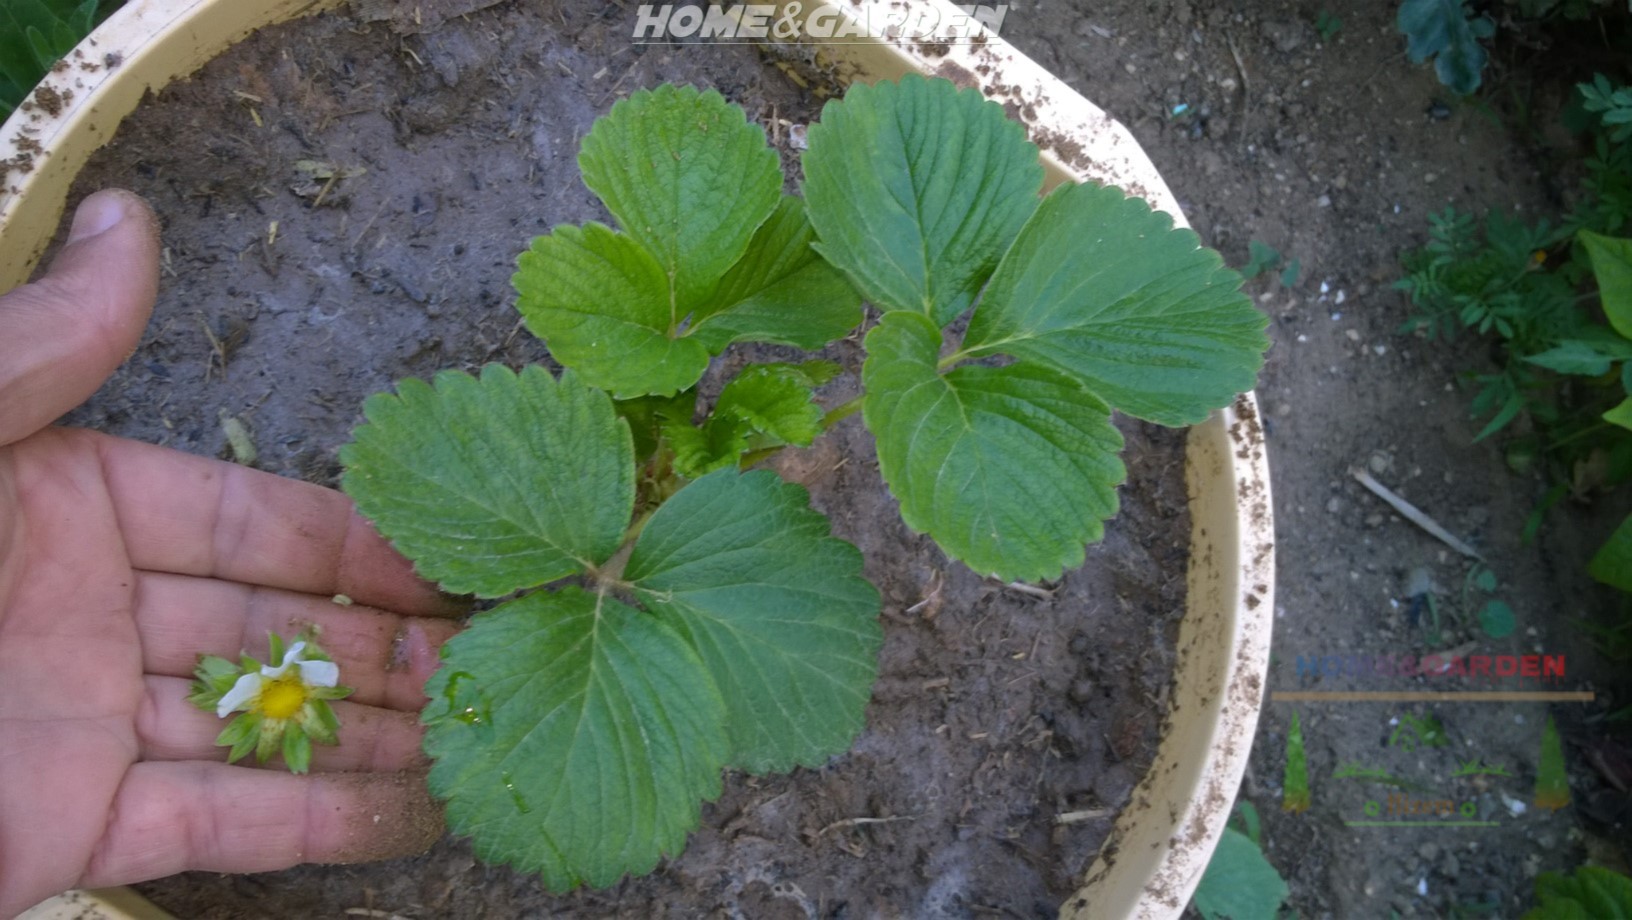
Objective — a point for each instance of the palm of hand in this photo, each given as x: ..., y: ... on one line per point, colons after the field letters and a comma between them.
x: 121, y: 563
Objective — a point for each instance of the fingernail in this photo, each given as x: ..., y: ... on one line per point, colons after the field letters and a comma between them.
x: 96, y: 215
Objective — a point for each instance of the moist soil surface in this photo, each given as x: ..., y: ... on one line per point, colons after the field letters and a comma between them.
x: 288, y: 298
x: 995, y: 710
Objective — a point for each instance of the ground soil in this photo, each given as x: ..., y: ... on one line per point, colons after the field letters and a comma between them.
x: 287, y: 299
x: 1333, y: 149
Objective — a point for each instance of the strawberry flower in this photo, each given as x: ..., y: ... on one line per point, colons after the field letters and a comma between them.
x: 282, y: 707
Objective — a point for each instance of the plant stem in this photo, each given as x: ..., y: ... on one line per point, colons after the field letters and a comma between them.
x: 843, y: 411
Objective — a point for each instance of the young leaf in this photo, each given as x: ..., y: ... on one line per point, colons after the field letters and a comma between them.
x: 716, y: 444
x: 776, y: 402
x: 602, y: 305
x: 1497, y: 620
x: 577, y: 739
x: 1011, y: 469
x: 778, y: 399
x: 916, y: 190
x: 494, y: 484
x: 1552, y: 780
x: 1445, y: 29
x: 1105, y: 290
x: 1295, y: 779
x: 1612, y: 266
x: 1239, y: 883
x: 781, y: 291
x: 688, y: 176
x: 743, y: 567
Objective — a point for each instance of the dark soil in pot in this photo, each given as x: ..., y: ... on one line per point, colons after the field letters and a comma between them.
x: 342, y: 206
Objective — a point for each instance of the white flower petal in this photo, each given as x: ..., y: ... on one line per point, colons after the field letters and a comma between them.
x: 247, y: 688
x: 320, y: 673
x: 293, y: 655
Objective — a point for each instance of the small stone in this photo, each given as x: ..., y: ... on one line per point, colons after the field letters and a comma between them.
x: 1227, y: 84
x: 1334, y: 505
x: 1324, y: 201
x: 1340, y: 183
x: 1374, y: 520
x: 1353, y: 334
x: 1130, y: 68
x: 1283, y: 410
x: 1380, y: 462
x: 1428, y: 851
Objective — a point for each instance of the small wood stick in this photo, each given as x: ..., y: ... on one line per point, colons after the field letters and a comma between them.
x: 857, y: 822
x: 1086, y: 814
x: 1412, y: 514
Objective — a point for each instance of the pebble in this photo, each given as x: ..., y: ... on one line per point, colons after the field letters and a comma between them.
x: 1130, y: 68
x: 1334, y: 505
x: 1353, y: 334
x: 1374, y: 520
x: 1283, y: 410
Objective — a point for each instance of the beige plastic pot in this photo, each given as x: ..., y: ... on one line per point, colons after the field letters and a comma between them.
x: 1162, y: 841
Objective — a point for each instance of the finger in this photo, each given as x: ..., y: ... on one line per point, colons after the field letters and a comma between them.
x: 378, y: 740
x: 177, y: 817
x: 385, y: 657
x: 196, y: 516
x: 65, y: 333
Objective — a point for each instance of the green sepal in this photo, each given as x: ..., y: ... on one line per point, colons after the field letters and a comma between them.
x: 248, y: 740
x: 297, y: 749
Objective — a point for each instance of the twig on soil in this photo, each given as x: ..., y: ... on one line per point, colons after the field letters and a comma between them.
x: 1246, y: 87
x: 857, y: 822
x: 1412, y: 514
x: 1032, y: 590
x: 1086, y: 814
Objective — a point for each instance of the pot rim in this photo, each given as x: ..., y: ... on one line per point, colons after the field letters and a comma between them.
x: 1178, y: 811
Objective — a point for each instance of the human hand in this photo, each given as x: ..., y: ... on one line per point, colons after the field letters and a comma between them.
x: 121, y: 563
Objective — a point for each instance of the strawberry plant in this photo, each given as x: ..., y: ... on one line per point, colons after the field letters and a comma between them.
x: 666, y: 610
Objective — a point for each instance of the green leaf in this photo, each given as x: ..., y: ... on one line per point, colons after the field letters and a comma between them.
x: 916, y: 189
x: 1485, y: 580
x: 1579, y: 356
x: 1261, y: 257
x: 1552, y: 778
x: 1612, y: 564
x: 1591, y: 892
x: 1289, y: 275
x: 1621, y: 414
x: 574, y: 737
x: 1612, y: 265
x: 1497, y: 620
x: 1011, y: 469
x: 773, y: 404
x: 777, y: 608
x: 778, y: 400
x: 1105, y: 290
x: 717, y: 444
x: 1445, y: 29
x: 601, y: 303
x: 495, y: 484
x: 688, y: 176
x: 781, y: 291
x: 1239, y: 883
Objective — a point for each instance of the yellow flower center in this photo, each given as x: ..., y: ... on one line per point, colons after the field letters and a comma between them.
x: 282, y: 698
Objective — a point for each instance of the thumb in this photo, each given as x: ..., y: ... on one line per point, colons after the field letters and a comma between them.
x: 62, y: 335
